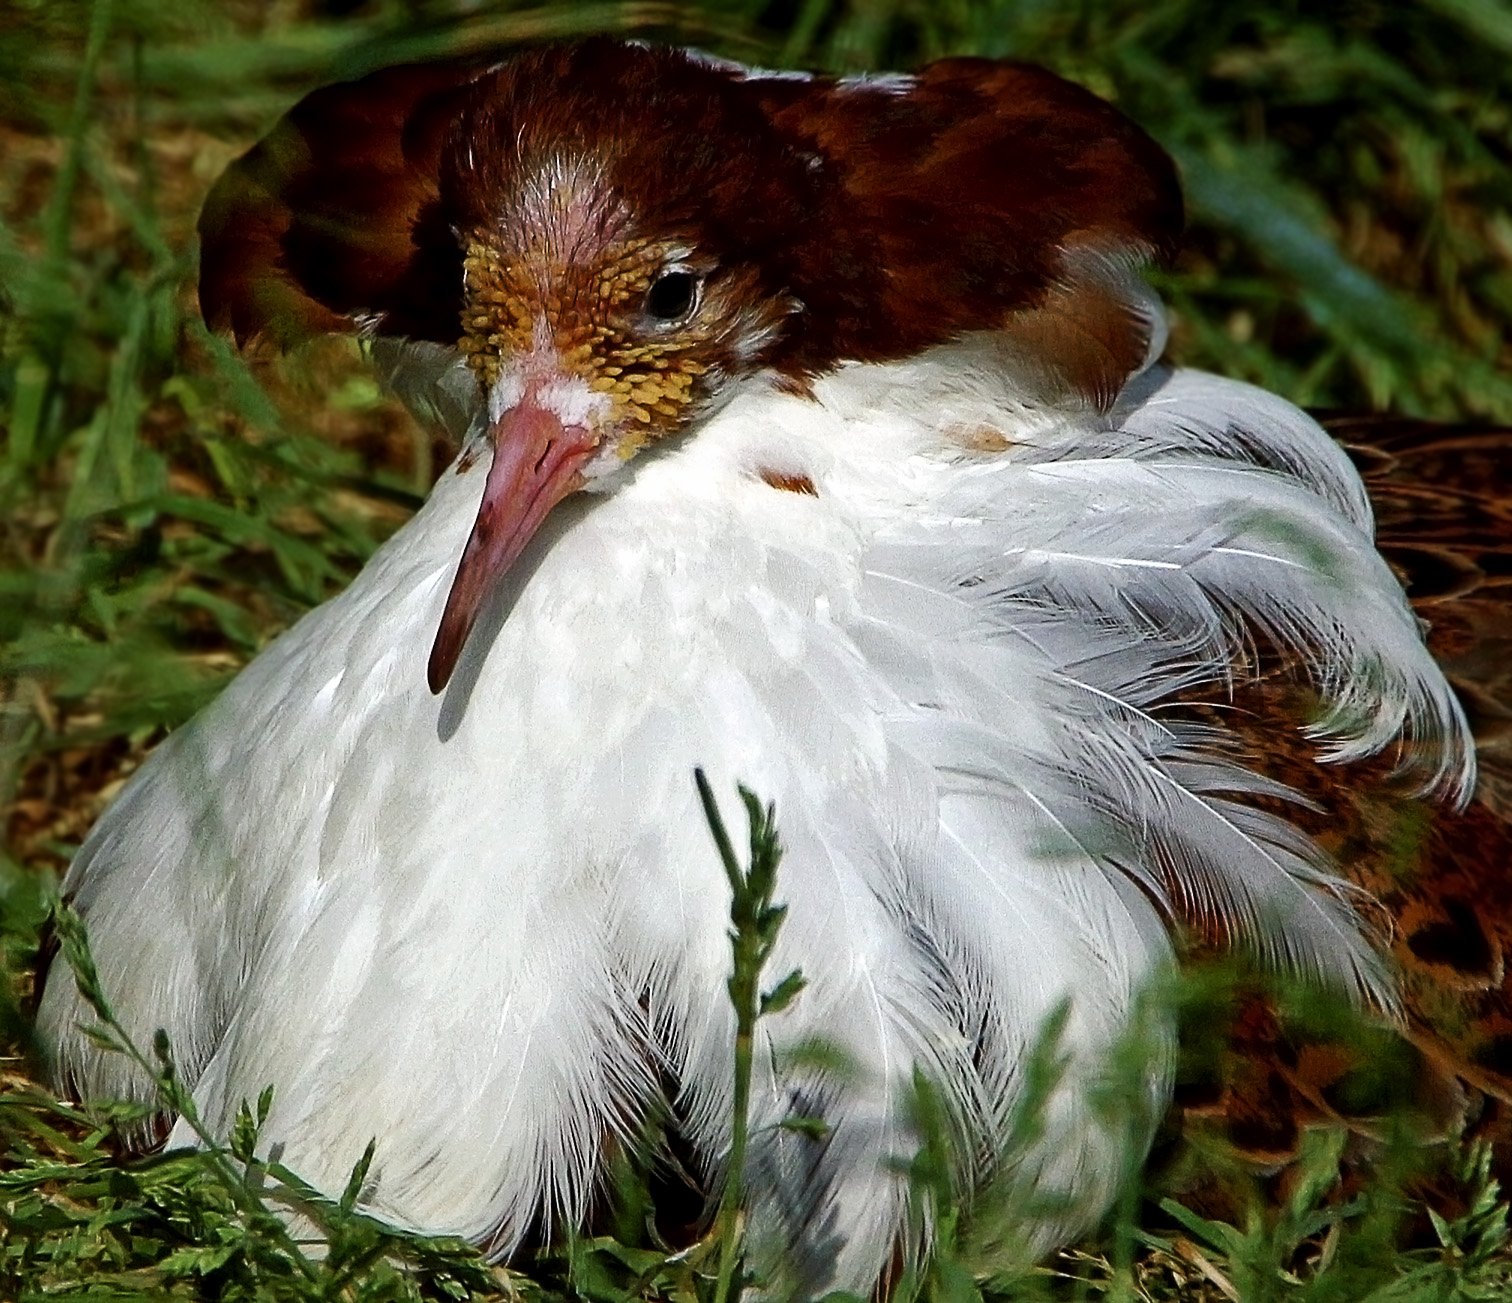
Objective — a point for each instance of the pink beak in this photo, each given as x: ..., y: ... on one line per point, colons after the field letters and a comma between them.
x: 537, y: 462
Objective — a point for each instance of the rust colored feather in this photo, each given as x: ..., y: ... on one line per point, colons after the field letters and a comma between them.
x: 959, y: 199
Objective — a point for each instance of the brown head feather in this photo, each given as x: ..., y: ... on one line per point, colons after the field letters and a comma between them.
x: 332, y: 216
x: 897, y: 213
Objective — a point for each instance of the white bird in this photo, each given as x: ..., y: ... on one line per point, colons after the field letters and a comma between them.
x: 815, y: 433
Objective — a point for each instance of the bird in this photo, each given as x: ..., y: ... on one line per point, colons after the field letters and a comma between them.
x: 816, y: 433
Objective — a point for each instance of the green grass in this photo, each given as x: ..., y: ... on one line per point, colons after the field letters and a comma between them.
x: 166, y: 507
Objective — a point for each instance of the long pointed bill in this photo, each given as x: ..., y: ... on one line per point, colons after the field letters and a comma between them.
x: 537, y: 462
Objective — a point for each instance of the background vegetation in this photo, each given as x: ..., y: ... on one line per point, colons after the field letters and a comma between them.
x: 166, y: 507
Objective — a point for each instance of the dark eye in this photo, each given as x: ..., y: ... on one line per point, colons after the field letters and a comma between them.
x: 673, y: 296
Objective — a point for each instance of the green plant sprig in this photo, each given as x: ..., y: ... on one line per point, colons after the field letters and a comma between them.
x: 754, y: 923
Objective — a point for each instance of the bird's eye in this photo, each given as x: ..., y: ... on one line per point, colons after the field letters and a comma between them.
x: 673, y: 296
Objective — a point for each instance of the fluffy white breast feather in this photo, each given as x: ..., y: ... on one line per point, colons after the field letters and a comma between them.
x: 483, y: 927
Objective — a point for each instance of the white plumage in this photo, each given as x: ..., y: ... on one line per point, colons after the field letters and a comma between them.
x: 482, y: 927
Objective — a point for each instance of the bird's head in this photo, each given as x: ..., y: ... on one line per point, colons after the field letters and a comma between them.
x: 615, y: 237
x: 613, y: 290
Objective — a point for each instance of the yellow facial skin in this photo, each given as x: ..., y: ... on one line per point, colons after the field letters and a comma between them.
x: 585, y: 318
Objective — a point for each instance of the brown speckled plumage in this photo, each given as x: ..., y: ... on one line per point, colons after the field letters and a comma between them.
x: 1440, y: 878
